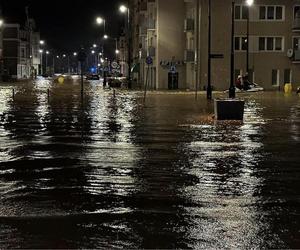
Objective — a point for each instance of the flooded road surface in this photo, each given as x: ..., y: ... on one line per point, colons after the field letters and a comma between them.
x: 112, y: 173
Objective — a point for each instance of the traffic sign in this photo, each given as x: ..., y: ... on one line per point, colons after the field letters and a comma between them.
x: 149, y: 60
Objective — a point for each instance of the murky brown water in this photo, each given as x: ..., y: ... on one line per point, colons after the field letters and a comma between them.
x: 113, y: 174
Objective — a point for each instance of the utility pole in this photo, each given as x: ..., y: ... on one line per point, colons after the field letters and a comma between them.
x: 232, y: 85
x: 209, y: 88
x: 129, y: 45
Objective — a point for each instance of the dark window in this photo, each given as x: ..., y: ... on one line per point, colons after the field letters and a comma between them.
x: 274, y: 77
x: 296, y: 44
x: 245, y: 11
x: 279, y: 13
x: 244, y: 43
x: 270, y: 12
x: 270, y: 43
x: 237, y: 12
x: 296, y: 11
x: 237, y: 43
x: 262, y: 12
x: 261, y: 43
x: 278, y: 43
x: 287, y: 76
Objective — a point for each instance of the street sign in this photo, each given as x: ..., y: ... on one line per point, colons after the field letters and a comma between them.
x: 173, y: 69
x: 149, y: 60
x: 216, y: 56
x: 115, y: 65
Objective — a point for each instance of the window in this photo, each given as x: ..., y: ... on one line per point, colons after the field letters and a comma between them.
x: 271, y: 12
x: 287, y: 76
x: 240, y: 43
x: 241, y: 12
x: 275, y: 77
x: 297, y: 11
x: 262, y: 44
x: 270, y: 44
x: 296, y: 43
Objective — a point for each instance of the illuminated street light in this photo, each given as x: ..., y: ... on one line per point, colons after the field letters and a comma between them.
x: 94, y: 45
x: 42, y: 42
x: 117, y: 51
x: 1, y: 22
x: 100, y: 54
x: 93, y: 51
x: 249, y: 2
x: 123, y: 9
x: 57, y: 57
x: 41, y: 51
x: 105, y: 37
x: 64, y: 55
x: 75, y: 54
x: 100, y: 20
x: 47, y: 52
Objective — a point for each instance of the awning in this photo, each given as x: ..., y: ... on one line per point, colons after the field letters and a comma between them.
x: 135, y: 68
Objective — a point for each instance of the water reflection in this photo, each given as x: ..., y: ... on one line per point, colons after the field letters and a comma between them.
x: 111, y: 173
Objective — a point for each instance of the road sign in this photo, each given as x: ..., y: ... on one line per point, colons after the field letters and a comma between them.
x: 115, y: 65
x: 149, y: 60
x: 216, y: 56
x: 173, y: 69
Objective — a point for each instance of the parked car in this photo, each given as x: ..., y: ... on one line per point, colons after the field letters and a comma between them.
x: 93, y: 77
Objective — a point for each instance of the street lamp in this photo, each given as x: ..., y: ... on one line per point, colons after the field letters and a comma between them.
x: 42, y: 42
x: 41, y: 59
x: 125, y: 10
x: 117, y: 51
x: 105, y: 37
x: 1, y: 22
x: 47, y: 53
x: 249, y: 3
x: 75, y: 54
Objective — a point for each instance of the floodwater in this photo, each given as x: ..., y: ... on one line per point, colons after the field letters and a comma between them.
x: 113, y: 173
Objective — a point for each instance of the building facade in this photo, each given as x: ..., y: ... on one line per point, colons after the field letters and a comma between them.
x: 174, y: 33
x: 21, y: 58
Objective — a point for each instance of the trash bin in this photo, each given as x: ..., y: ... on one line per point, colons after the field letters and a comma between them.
x: 173, y: 80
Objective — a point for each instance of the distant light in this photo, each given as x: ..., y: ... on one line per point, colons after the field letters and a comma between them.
x: 92, y: 70
x: 105, y: 36
x: 75, y: 53
x: 95, y: 45
x: 64, y: 55
x: 99, y: 64
x: 42, y: 42
x: 93, y: 51
x: 47, y: 52
x: 117, y: 51
x: 123, y: 8
x: 57, y: 56
x: 249, y: 2
x: 99, y: 20
x: 41, y: 51
x: 1, y: 22
x: 102, y: 60
x: 100, y: 54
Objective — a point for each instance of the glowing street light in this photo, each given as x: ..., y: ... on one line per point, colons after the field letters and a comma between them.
x: 105, y: 37
x: 75, y: 54
x: 41, y: 51
x: 42, y: 42
x: 64, y: 55
x: 47, y: 52
x: 1, y: 22
x: 123, y: 9
x: 93, y: 51
x: 94, y: 45
x: 117, y: 51
x: 100, y: 20
x: 249, y: 2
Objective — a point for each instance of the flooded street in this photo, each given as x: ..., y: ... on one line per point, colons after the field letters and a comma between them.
x: 111, y: 173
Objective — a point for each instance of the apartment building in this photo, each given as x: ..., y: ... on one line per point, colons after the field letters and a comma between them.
x: 175, y: 34
x: 20, y: 52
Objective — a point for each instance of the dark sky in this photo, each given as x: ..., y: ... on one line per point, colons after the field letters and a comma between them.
x: 66, y: 24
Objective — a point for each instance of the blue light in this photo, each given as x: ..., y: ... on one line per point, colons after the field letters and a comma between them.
x: 93, y: 70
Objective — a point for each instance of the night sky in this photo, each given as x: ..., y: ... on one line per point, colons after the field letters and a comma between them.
x: 66, y: 24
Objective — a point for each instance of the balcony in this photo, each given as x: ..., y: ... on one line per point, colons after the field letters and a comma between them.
x: 151, y: 51
x: 189, y: 25
x: 189, y: 56
x: 296, y: 57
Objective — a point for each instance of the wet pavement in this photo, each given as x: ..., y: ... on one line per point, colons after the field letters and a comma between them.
x: 113, y: 173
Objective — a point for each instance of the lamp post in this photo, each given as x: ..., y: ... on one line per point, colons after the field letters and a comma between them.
x: 232, y: 85
x: 249, y: 3
x: 41, y: 58
x: 209, y: 88
x: 125, y: 9
x: 47, y: 53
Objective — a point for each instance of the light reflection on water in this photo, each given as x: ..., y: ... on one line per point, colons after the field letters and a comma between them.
x: 110, y: 173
